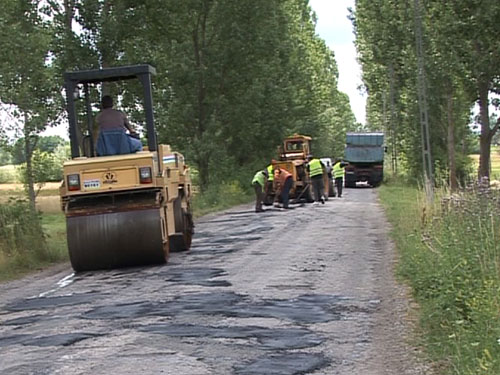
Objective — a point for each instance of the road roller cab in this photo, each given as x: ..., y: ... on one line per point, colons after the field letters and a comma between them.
x: 121, y: 210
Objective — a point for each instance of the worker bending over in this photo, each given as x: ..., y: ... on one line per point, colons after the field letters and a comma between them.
x: 283, y: 182
x: 259, y: 182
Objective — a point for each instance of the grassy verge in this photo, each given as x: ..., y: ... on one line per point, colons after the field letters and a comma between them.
x: 218, y: 198
x: 450, y: 256
x: 27, y: 249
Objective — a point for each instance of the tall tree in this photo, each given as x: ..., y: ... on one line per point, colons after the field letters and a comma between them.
x: 27, y: 81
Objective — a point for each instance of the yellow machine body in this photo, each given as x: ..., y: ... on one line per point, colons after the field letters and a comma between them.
x: 292, y: 156
x: 115, y: 218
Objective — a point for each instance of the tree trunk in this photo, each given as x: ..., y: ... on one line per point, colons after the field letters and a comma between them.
x: 203, y: 165
x: 452, y: 165
x: 28, y: 152
x: 199, y: 44
x: 486, y: 133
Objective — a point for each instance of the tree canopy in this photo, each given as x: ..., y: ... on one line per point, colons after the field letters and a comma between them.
x: 460, y: 51
x: 234, y: 77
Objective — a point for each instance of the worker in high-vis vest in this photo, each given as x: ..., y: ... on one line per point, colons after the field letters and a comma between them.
x: 316, y: 169
x: 269, y: 183
x: 338, y: 175
x: 259, y: 182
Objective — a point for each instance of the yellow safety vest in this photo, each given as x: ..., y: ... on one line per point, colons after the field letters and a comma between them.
x: 315, y: 168
x: 259, y: 178
x: 270, y: 173
x: 338, y: 171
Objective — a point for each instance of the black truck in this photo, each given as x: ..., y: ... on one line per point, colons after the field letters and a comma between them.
x: 365, y: 154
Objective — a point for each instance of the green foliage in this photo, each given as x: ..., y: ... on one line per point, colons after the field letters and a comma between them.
x: 458, y: 69
x: 21, y: 234
x: 5, y: 157
x: 8, y: 174
x: 46, y: 167
x: 47, y: 144
x: 451, y: 258
x: 42, y: 241
x: 219, y: 197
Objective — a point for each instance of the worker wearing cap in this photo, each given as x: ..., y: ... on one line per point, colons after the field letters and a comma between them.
x: 259, y: 183
x: 316, y: 168
x: 282, y: 184
x: 338, y: 174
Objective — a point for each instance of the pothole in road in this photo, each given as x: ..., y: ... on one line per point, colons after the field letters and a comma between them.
x: 197, y: 276
x: 64, y: 339
x: 306, y: 309
x: 283, y: 364
x: 268, y: 338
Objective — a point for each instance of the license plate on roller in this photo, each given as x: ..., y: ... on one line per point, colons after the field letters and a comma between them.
x: 92, y: 184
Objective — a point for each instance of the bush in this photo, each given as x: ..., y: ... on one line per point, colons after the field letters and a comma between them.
x: 46, y: 166
x: 219, y: 197
x: 21, y: 234
x: 8, y: 174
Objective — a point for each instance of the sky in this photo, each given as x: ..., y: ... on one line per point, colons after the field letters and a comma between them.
x: 336, y: 30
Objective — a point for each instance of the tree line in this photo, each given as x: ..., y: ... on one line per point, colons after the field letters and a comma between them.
x: 461, y: 52
x: 233, y: 77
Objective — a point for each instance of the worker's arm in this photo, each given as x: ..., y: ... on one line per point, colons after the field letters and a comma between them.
x: 127, y: 124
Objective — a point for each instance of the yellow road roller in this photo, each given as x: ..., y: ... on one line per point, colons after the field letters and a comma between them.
x: 127, y: 209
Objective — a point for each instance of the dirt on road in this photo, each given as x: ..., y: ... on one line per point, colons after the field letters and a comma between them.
x: 303, y: 291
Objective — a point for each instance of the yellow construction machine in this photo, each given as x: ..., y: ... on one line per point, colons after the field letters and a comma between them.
x: 292, y: 156
x: 128, y: 209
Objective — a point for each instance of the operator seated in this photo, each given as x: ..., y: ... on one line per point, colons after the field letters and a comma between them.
x: 113, y: 124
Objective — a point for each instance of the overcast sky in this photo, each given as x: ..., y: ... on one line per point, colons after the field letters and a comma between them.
x: 334, y: 27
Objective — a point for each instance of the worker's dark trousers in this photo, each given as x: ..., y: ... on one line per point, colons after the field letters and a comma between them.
x: 338, y: 184
x: 286, y: 191
x: 317, y: 185
x: 259, y: 196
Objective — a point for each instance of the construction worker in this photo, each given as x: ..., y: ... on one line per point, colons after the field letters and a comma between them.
x: 316, y: 169
x: 338, y: 174
x: 283, y: 182
x: 259, y: 183
x: 269, y: 183
x: 112, y: 125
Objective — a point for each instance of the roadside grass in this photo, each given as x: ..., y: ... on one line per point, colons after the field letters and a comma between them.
x: 29, y: 242
x: 220, y: 197
x: 450, y: 256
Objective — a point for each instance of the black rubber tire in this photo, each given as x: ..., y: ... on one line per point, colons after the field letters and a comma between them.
x: 184, y: 228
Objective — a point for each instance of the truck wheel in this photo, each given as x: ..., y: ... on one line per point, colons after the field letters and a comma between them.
x: 350, y: 183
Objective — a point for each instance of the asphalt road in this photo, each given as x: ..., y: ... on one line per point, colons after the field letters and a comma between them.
x: 303, y: 291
